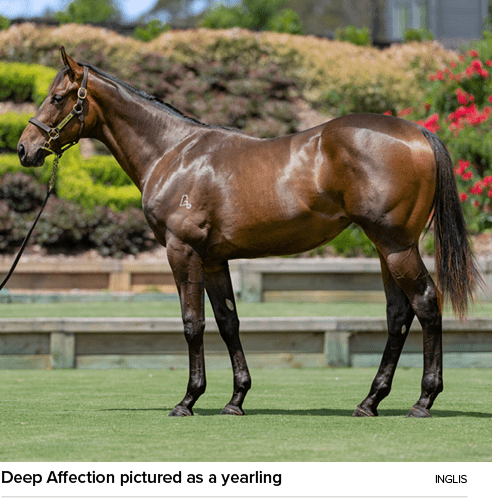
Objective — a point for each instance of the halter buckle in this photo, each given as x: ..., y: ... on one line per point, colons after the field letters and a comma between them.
x: 82, y: 93
x: 54, y: 134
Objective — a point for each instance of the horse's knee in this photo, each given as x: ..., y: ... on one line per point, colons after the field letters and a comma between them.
x: 193, y: 330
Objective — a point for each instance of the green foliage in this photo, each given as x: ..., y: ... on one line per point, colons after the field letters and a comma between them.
x: 89, y: 182
x: 11, y: 127
x: 369, y: 94
x: 21, y: 82
x: 95, y: 181
x: 457, y: 108
x: 286, y: 21
x: 66, y: 224
x: 88, y: 11
x: 151, y: 30
x: 223, y: 17
x: 353, y: 242
x: 352, y: 34
x: 4, y: 22
x: 256, y: 15
x: 22, y: 192
x: 418, y: 35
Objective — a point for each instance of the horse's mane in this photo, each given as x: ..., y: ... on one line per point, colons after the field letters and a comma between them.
x: 165, y: 106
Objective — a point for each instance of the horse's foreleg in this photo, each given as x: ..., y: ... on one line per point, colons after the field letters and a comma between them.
x: 400, y: 315
x: 219, y: 289
x: 188, y: 273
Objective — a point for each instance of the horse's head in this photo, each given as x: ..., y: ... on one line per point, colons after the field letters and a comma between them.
x: 61, y: 118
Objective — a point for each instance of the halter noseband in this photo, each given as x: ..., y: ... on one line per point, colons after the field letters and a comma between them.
x: 78, y: 108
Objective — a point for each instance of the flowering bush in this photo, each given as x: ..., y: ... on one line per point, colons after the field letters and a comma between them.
x: 458, y: 108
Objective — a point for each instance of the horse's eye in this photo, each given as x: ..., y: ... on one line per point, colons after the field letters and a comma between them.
x: 57, y: 99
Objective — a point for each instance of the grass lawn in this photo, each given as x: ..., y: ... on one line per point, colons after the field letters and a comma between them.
x: 292, y: 415
x: 171, y: 309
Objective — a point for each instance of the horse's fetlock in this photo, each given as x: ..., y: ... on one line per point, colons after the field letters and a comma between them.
x: 243, y: 383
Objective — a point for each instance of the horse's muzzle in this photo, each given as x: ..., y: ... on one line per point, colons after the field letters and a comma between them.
x: 26, y: 159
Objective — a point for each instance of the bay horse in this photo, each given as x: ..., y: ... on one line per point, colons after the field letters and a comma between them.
x: 212, y: 194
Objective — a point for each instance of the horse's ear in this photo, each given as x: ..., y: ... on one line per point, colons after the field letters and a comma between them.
x: 76, y: 69
x: 64, y: 56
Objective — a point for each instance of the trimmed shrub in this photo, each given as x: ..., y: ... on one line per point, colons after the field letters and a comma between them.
x: 79, y: 181
x: 21, y: 191
x: 323, y: 72
x: 66, y: 225
x: 21, y: 82
x: 118, y: 233
x: 11, y: 127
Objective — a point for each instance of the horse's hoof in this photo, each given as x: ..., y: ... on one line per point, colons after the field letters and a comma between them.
x: 180, y: 412
x: 232, y: 410
x: 363, y: 413
x: 419, y: 412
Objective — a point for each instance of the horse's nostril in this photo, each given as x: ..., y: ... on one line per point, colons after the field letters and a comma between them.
x: 21, y: 151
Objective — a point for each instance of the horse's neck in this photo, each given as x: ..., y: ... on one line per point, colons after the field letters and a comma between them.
x: 137, y: 132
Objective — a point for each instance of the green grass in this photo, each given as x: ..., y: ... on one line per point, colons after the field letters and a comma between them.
x: 292, y: 415
x: 171, y: 309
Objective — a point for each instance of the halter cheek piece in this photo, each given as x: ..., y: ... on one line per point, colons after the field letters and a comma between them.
x: 78, y: 108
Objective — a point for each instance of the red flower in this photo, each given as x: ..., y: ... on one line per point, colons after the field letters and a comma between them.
x: 462, y: 166
x: 462, y: 97
x: 463, y: 196
x: 477, y: 188
x: 476, y: 66
x: 431, y: 123
x: 437, y: 76
x: 405, y: 112
x: 388, y: 113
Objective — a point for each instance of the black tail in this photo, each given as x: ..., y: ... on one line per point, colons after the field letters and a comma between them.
x: 457, y: 274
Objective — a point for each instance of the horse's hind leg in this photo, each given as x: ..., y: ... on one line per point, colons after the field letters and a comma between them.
x: 399, y: 315
x: 410, y: 273
x: 220, y: 291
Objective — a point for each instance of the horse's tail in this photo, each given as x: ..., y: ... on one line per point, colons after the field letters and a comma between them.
x: 457, y: 274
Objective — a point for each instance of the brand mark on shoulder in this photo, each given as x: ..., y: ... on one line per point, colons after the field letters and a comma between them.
x: 184, y: 201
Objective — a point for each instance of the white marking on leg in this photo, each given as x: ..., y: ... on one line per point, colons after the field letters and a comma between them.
x: 403, y: 329
x: 229, y: 304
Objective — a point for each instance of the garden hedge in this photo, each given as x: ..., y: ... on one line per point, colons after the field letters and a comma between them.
x: 184, y: 67
x: 21, y: 82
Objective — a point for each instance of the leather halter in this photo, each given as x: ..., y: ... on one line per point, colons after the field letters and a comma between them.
x: 54, y: 132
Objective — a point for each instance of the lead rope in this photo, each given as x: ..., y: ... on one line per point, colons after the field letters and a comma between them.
x: 51, y: 186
